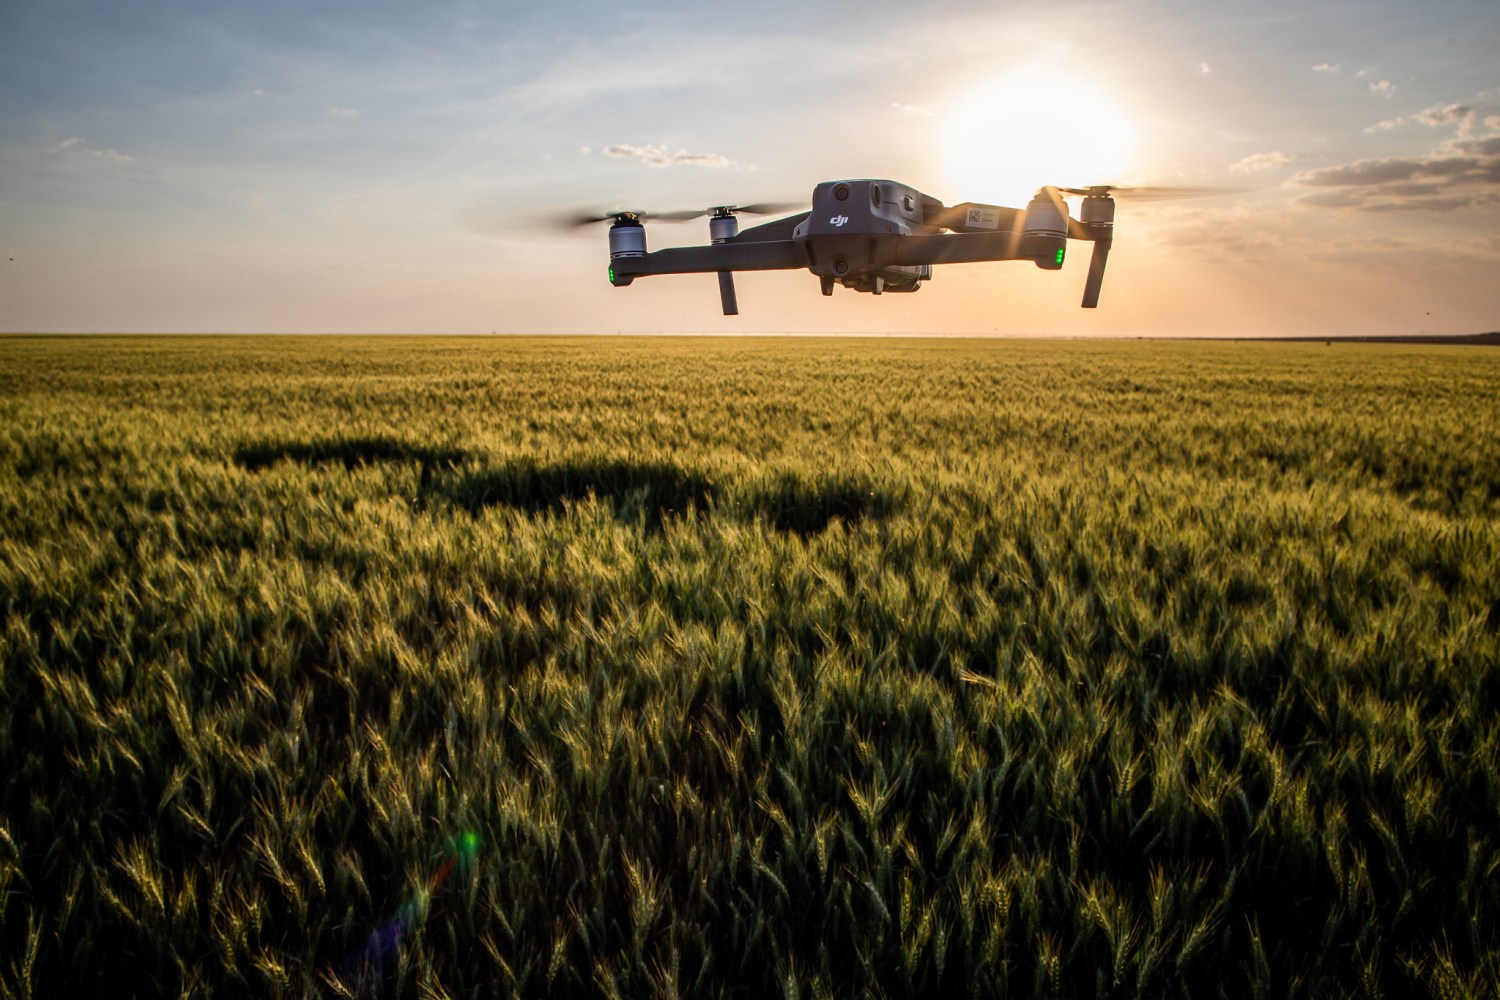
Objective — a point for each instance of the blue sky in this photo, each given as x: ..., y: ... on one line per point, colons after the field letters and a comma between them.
x: 388, y: 167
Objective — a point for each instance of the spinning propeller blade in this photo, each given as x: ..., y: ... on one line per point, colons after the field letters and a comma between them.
x: 1149, y: 193
x: 766, y: 207
x: 579, y: 219
x: 588, y: 219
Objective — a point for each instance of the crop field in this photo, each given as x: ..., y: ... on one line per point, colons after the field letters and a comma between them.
x: 610, y: 667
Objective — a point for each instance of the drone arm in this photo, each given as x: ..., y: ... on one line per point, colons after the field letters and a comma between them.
x: 958, y: 248
x: 727, y: 256
x: 778, y: 229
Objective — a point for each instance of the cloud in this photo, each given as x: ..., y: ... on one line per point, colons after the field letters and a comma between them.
x: 1328, y: 69
x: 1461, y: 173
x: 911, y: 109
x: 1261, y: 161
x: 342, y: 113
x: 1234, y: 233
x: 1384, y: 88
x: 1361, y: 172
x: 659, y: 156
x: 590, y: 69
x: 1205, y: 69
x: 1464, y: 115
x: 1441, y: 115
x: 76, y: 148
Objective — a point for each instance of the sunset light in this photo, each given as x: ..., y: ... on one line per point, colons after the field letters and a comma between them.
x: 331, y: 169
x: 1038, y: 125
x: 605, y: 500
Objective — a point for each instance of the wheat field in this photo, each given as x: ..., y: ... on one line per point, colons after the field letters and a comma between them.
x: 667, y: 667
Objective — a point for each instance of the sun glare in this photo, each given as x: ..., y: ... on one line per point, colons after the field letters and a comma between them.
x: 1031, y: 127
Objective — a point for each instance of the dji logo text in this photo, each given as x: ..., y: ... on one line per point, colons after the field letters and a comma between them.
x: 838, y: 220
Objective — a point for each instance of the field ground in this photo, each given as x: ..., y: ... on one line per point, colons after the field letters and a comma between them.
x: 821, y: 668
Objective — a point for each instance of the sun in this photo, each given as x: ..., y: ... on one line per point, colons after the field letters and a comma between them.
x: 1031, y: 127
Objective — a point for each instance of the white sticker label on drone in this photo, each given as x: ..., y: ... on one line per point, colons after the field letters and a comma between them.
x: 982, y: 218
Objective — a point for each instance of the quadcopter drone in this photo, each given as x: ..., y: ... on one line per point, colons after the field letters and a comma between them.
x: 874, y: 236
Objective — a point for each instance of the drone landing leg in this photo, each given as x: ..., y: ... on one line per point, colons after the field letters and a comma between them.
x: 726, y: 293
x: 1096, y: 274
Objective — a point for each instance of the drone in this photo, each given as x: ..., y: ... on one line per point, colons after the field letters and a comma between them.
x: 874, y: 236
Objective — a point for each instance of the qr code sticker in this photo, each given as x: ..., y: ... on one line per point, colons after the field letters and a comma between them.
x: 980, y: 218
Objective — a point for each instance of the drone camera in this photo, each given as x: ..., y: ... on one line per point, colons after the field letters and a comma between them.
x: 895, y: 278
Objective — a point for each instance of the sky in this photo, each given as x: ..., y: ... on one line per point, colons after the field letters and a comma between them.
x: 341, y: 166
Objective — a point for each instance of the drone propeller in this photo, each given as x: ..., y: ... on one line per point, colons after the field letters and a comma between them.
x: 627, y: 238
x: 1097, y: 215
x: 758, y: 208
x: 1152, y: 193
x: 722, y: 225
x: 761, y: 207
x: 582, y: 219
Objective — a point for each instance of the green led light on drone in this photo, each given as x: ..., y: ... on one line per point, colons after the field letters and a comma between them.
x: 1060, y: 251
x: 611, y: 275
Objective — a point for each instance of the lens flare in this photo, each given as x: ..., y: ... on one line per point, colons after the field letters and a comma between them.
x: 367, y: 966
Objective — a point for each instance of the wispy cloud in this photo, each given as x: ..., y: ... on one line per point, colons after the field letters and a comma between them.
x: 1261, y: 161
x: 342, y: 113
x: 1328, y: 69
x: 661, y: 156
x: 1384, y: 88
x: 592, y: 68
x: 1234, y: 233
x: 1442, y: 115
x: 76, y: 147
x: 1458, y: 174
x: 1465, y: 116
x: 911, y: 109
x: 1204, y: 69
